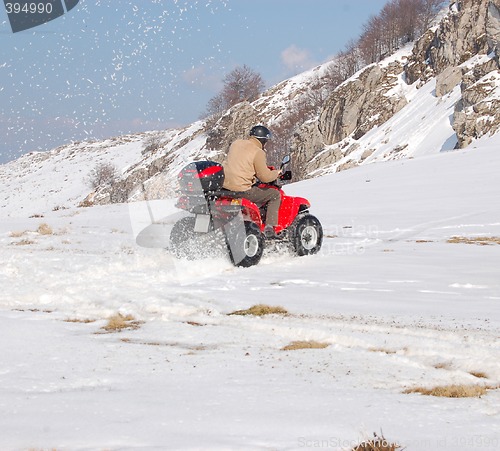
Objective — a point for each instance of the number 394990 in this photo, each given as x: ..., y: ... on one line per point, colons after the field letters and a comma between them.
x: 29, y: 8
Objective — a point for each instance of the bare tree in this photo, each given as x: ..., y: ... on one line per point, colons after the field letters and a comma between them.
x: 390, y: 30
x: 408, y: 19
x: 352, y: 59
x: 429, y: 10
x: 370, y: 42
x: 242, y: 83
x: 152, y: 143
x: 302, y: 110
x: 399, y: 22
x: 104, y: 174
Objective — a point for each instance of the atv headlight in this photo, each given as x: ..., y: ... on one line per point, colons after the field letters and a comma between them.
x: 236, y: 201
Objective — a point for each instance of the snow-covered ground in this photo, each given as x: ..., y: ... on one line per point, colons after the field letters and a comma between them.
x: 398, y: 305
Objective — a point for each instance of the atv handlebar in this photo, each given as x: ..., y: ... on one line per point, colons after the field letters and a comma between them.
x: 284, y: 176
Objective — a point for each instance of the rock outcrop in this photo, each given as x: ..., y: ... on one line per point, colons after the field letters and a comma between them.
x: 471, y: 28
x: 352, y: 110
x: 461, y: 50
x: 477, y: 113
x: 362, y: 103
x: 233, y: 125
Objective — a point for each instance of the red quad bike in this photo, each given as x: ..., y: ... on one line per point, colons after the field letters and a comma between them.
x: 222, y: 218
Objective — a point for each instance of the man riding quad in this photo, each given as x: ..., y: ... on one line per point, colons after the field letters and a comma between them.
x: 246, y: 161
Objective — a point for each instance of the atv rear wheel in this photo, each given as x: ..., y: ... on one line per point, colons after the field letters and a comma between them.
x: 306, y: 235
x: 245, y: 244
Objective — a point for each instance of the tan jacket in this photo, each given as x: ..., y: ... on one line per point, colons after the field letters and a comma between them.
x: 245, y: 160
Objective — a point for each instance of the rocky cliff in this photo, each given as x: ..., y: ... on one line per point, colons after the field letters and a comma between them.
x: 461, y: 50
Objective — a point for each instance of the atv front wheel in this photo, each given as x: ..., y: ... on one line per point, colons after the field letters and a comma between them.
x: 306, y: 235
x: 245, y: 244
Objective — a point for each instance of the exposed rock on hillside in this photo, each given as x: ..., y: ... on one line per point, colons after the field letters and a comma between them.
x: 447, y: 52
x: 359, y: 105
x: 477, y: 112
x: 472, y: 29
x: 233, y: 125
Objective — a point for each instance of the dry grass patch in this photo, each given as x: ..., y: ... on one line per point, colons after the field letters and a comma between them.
x: 77, y: 320
x: 442, y: 366
x: 32, y: 310
x: 478, y: 374
x: 195, y: 323
x: 261, y: 310
x: 453, y: 391
x: 384, y: 350
x: 145, y: 343
x: 119, y: 322
x: 479, y: 240
x: 189, y: 347
x: 377, y: 444
x: 309, y: 344
x: 24, y: 242
x: 17, y: 234
x: 44, y: 229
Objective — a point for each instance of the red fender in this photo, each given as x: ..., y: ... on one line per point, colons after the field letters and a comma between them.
x: 289, y: 209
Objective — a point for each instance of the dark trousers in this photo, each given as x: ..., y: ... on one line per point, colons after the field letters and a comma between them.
x: 262, y: 196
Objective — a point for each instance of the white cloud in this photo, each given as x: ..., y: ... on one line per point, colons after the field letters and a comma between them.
x: 296, y: 59
x: 198, y: 76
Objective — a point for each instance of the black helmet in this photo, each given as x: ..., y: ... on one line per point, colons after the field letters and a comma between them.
x: 261, y: 133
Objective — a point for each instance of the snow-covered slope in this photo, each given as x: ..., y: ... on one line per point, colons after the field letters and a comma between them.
x: 41, y: 181
x: 399, y: 303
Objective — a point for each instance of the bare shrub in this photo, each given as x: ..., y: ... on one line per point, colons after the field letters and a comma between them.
x: 104, y: 174
x: 377, y: 444
x: 119, y: 322
x: 86, y: 203
x: 152, y: 143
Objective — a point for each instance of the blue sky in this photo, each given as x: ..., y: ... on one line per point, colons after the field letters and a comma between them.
x: 110, y: 67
